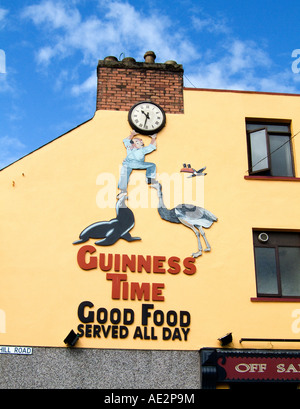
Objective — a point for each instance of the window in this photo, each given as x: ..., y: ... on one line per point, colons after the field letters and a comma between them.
x: 277, y: 263
x: 269, y: 149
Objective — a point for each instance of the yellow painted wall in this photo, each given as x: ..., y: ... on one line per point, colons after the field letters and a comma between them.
x: 51, y: 195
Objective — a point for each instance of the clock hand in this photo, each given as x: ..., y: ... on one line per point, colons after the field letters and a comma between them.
x: 147, y: 115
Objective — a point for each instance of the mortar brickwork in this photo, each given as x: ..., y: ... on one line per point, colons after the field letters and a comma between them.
x: 121, y: 84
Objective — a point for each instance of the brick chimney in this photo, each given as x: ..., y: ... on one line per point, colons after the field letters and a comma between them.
x: 122, y: 84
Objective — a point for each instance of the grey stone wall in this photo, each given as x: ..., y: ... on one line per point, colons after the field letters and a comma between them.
x: 73, y: 368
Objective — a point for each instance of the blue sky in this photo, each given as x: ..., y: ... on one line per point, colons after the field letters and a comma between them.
x: 52, y: 47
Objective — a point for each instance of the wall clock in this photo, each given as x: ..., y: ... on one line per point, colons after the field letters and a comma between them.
x: 147, y: 118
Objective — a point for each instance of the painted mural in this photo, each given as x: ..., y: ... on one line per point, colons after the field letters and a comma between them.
x: 194, y: 217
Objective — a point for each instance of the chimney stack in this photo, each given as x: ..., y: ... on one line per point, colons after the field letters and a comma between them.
x: 121, y: 84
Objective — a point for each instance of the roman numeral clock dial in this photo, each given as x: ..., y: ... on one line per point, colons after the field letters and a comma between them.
x: 147, y: 118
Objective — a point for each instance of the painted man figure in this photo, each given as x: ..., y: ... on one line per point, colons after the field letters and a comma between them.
x: 135, y: 159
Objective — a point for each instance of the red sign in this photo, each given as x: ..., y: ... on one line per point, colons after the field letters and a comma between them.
x: 260, y: 368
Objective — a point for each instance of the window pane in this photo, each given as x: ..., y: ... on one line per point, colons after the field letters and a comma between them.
x: 281, y: 160
x: 259, y: 150
x: 271, y: 128
x: 289, y: 260
x: 278, y: 128
x: 266, y: 276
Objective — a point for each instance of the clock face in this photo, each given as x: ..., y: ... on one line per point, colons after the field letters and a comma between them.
x: 147, y: 118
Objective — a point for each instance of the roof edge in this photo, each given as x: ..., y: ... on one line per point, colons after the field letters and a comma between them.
x: 241, y: 91
x: 48, y: 143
